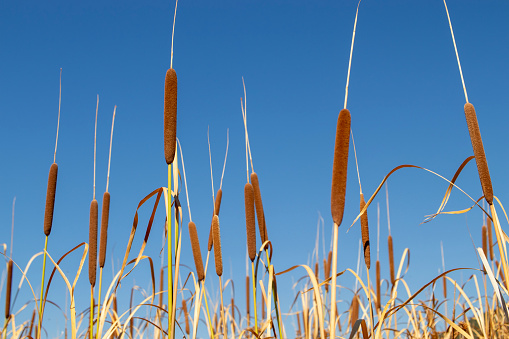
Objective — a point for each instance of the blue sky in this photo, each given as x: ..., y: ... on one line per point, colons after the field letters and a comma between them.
x: 405, y: 97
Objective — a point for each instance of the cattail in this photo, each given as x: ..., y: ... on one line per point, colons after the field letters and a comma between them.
x: 161, y: 287
x: 92, y: 250
x: 170, y: 115
x: 298, y: 334
x: 340, y: 165
x: 444, y: 281
x: 250, y: 220
x: 217, y: 203
x: 8, y: 292
x: 325, y: 274
x: 328, y: 268
x: 263, y: 307
x: 485, y: 240
x: 354, y: 310
x: 316, y: 270
x: 115, y: 313
x: 497, y: 264
x: 391, y: 259
x: 217, y: 246
x: 365, y: 233
x: 105, y: 215
x: 260, y: 215
x: 31, y: 324
x: 480, y: 157
x: 490, y: 238
x: 233, y: 310
x: 186, y: 315
x: 211, y: 237
x: 50, y: 198
x: 378, y: 294
x: 195, y: 245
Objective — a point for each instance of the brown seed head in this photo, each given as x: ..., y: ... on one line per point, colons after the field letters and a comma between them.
x: 170, y: 115
x: 485, y: 240
x: 50, y: 198
x: 211, y: 238
x: 8, y: 292
x: 161, y: 287
x: 444, y: 280
x: 105, y: 215
x: 250, y: 220
x: 391, y: 259
x: 247, y: 295
x: 480, y: 157
x: 259, y: 207
x: 195, y: 245
x: 354, y: 310
x: 92, y: 240
x: 217, y: 203
x: 340, y: 165
x: 186, y: 315
x: 490, y: 237
x: 365, y: 233
x: 217, y: 245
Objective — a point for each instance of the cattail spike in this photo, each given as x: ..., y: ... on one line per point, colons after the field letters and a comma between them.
x: 9, y: 288
x: 391, y: 259
x: 485, y: 240
x: 50, y: 198
x: 195, y: 245
x: 92, y: 250
x: 340, y: 166
x: 365, y: 233
x: 354, y: 313
x: 186, y: 315
x: 217, y: 246
x: 480, y: 157
x: 105, y: 215
x: 490, y: 237
x: 170, y: 115
x: 210, y: 243
x: 260, y: 215
x: 378, y: 294
x: 250, y: 220
x: 217, y: 203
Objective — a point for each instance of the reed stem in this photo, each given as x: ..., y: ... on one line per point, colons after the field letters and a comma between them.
x: 99, y: 302
x: 42, y: 286
x: 332, y: 319
x: 254, y: 298
x: 170, y: 257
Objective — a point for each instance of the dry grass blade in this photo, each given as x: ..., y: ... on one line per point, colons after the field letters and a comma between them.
x: 250, y: 220
x: 195, y: 245
x: 170, y: 115
x: 365, y: 233
x: 217, y: 245
x: 92, y: 234
x: 50, y: 198
x: 339, y: 167
x: 105, y: 214
x: 480, y: 157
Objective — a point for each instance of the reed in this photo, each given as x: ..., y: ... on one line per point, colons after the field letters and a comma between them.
x: 480, y: 156
x: 391, y: 259
x: 354, y: 310
x: 339, y: 167
x: 217, y: 246
x: 250, y: 220
x: 210, y: 243
x: 195, y: 245
x: 365, y: 233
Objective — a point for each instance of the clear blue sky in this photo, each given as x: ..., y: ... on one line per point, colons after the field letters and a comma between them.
x: 406, y: 102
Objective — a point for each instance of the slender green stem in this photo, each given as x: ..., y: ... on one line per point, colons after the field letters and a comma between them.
x: 170, y: 257
x: 254, y: 298
x: 39, y: 325
x: 91, y: 329
x: 99, y: 302
x: 332, y: 319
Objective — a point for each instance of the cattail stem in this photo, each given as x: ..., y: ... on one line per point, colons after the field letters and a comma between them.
x: 99, y: 303
x: 332, y: 319
x: 91, y: 327
x: 254, y: 298
x: 378, y: 294
x: 211, y: 329
x: 41, y: 310
x: 391, y: 259
x: 170, y: 252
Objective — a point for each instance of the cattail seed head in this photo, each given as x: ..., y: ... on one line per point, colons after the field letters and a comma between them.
x: 217, y: 246
x: 92, y: 250
x: 170, y: 115
x: 365, y: 233
x: 391, y: 259
x: 485, y: 240
x: 211, y: 238
x: 354, y: 310
x: 161, y: 287
x: 247, y: 296
x: 31, y: 324
x: 444, y: 280
x: 316, y: 270
x: 378, y: 293
x: 195, y: 245
x: 480, y: 157
x: 490, y: 237
x: 8, y: 292
x: 105, y: 215
x: 340, y: 166
x: 260, y: 215
x: 233, y: 309
x: 217, y: 203
x: 250, y: 220
x: 50, y: 198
